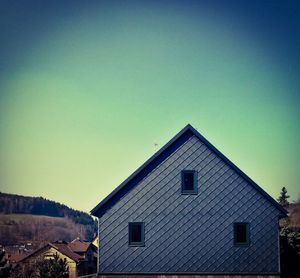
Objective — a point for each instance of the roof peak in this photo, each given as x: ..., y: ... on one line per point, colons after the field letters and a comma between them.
x: 159, y: 157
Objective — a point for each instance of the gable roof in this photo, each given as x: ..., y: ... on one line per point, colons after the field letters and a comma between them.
x: 79, y: 246
x: 61, y: 247
x: 181, y: 137
x: 16, y: 257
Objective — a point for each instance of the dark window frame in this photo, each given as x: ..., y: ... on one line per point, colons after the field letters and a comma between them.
x: 194, y: 191
x: 140, y: 243
x: 247, y: 242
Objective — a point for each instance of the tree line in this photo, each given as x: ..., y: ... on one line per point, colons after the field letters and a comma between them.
x: 17, y: 204
x: 289, y: 237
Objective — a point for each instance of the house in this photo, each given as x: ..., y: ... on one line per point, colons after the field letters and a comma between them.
x: 51, y: 249
x: 79, y: 256
x: 88, y: 252
x: 14, y: 257
x: 95, y: 241
x: 189, y: 210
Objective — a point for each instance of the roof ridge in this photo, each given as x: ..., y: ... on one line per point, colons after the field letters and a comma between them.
x: 166, y: 150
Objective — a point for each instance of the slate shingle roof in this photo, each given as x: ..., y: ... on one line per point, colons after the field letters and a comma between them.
x: 186, y: 133
x: 191, y: 233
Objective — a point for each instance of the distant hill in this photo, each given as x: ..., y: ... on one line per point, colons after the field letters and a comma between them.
x: 11, y: 203
x: 37, y: 219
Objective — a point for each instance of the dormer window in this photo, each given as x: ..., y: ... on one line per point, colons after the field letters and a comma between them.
x: 189, y: 182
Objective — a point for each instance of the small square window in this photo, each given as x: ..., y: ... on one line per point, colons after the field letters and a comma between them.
x: 241, y: 234
x: 189, y: 182
x: 136, y: 234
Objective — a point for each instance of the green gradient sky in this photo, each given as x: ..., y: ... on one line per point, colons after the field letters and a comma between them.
x: 96, y: 90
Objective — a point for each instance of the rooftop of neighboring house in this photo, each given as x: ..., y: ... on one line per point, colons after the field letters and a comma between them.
x: 79, y: 246
x: 61, y: 246
x: 65, y: 249
x: 16, y: 256
x: 75, y: 250
x: 95, y: 241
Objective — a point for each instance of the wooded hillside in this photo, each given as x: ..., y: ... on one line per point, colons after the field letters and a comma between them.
x: 16, y: 204
x: 37, y: 220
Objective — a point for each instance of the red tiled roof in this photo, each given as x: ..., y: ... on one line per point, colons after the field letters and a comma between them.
x: 63, y: 248
x: 79, y: 246
x: 16, y: 257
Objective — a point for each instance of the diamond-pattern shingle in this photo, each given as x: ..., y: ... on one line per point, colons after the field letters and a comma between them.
x: 191, y: 233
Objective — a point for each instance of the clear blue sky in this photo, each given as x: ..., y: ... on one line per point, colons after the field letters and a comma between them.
x: 87, y: 88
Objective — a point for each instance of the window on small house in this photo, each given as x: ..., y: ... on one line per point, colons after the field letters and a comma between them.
x: 189, y: 184
x: 136, y: 234
x: 241, y: 234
